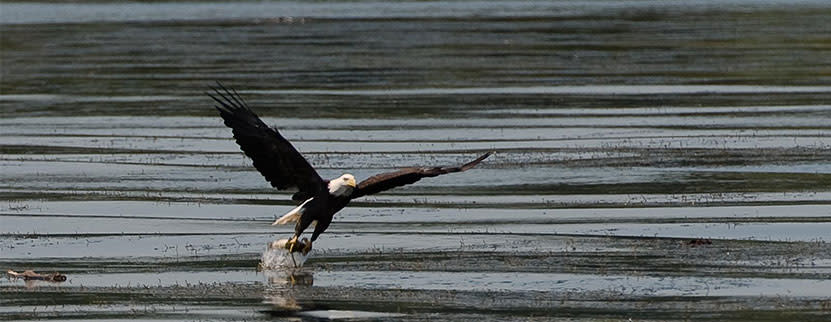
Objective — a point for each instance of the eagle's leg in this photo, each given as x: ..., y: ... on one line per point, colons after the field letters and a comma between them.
x: 319, y: 229
x: 308, y: 247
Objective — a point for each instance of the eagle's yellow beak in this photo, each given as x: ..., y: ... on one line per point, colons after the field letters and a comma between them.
x: 351, y: 182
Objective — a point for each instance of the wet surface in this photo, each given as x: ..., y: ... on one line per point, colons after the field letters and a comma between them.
x: 654, y: 161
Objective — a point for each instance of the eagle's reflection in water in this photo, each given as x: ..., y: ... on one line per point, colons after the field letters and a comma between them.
x: 286, y: 284
x: 285, y: 276
x: 283, y: 286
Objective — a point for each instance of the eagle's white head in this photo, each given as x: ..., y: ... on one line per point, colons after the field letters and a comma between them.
x: 343, y: 185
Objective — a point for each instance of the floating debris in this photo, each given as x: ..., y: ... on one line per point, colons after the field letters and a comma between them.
x: 699, y: 242
x: 29, y: 275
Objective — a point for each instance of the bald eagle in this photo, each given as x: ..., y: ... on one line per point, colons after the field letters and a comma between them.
x: 285, y: 168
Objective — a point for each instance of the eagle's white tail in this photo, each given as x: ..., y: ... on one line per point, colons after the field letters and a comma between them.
x: 293, y: 215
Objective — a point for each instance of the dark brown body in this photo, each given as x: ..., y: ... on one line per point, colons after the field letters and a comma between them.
x: 322, y: 209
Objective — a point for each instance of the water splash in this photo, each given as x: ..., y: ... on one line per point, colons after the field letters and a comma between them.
x: 279, y: 258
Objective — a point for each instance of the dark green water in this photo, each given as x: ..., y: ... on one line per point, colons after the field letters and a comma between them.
x: 624, y: 131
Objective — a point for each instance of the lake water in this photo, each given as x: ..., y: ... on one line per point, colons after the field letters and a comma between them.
x: 654, y: 160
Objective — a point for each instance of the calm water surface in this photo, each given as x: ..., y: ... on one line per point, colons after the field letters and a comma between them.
x: 624, y: 131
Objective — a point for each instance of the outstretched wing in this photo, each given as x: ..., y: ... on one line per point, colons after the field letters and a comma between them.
x: 273, y: 155
x: 389, y: 180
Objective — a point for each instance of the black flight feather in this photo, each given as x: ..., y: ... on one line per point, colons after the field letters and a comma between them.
x: 274, y: 156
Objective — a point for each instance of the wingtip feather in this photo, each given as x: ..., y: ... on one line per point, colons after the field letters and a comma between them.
x: 228, y: 98
x: 473, y: 163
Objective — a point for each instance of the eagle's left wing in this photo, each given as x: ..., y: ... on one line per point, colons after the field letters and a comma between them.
x: 389, y: 180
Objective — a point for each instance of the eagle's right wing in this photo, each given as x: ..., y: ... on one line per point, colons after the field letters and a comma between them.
x: 274, y: 156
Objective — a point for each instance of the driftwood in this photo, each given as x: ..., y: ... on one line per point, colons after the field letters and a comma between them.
x: 29, y: 275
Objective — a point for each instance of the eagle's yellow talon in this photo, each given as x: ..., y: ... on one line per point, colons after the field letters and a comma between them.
x: 291, y: 244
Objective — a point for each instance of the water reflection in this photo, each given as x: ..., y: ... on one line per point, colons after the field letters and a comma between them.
x: 283, y: 286
x: 285, y: 276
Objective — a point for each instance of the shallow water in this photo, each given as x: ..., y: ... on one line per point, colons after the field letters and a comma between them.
x: 655, y: 160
